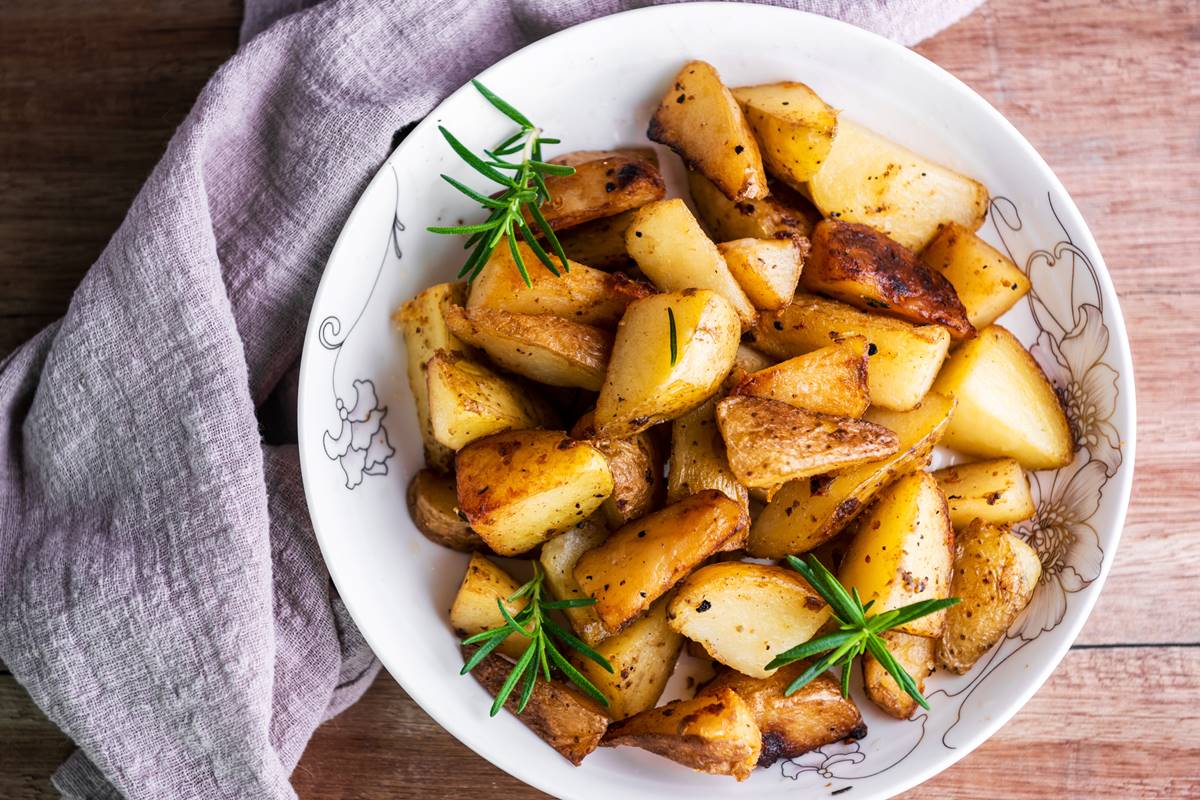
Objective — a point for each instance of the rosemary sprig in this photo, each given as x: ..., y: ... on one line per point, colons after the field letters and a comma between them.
x: 533, y: 623
x: 674, y: 343
x: 858, y: 632
x: 523, y: 183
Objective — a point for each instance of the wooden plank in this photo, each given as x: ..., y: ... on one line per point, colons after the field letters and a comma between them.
x: 32, y: 746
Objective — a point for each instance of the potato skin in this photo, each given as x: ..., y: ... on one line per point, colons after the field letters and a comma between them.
x: 915, y: 654
x: 831, y: 380
x: 474, y: 609
x: 433, y: 506
x: 637, y: 469
x: 605, y: 183
x: 782, y: 214
x: 698, y: 458
x: 995, y: 491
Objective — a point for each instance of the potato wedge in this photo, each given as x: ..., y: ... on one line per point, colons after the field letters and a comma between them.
x: 640, y: 562
x: 792, y: 725
x: 1006, y: 406
x: 600, y: 243
x: 903, y: 359
x: 987, y: 282
x: 642, y: 656
x: 433, y: 505
x: 558, y: 557
x: 713, y: 733
x: 644, y: 385
x: 699, y: 119
x: 867, y: 179
x: 637, y: 468
x: 996, y: 492
x: 475, y: 610
x: 995, y: 574
x: 766, y: 269
x: 562, y: 717
x: 519, y: 488
x: 698, y: 459
x: 807, y: 513
x: 585, y: 295
x: 673, y: 251
x: 782, y: 214
x: 831, y: 380
x: 795, y: 128
x: 468, y: 401
x: 605, y: 183
x: 542, y: 347
x: 903, y: 551
x: 859, y: 265
x: 745, y: 614
x: 915, y: 655
x: 770, y: 442
x: 422, y: 322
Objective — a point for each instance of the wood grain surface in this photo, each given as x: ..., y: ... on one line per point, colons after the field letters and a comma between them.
x: 1107, y: 92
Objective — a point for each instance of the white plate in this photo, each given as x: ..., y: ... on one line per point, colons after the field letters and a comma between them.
x: 595, y: 87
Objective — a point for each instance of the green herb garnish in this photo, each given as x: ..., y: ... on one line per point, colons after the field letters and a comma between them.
x: 524, y: 190
x: 674, y: 343
x: 859, y: 632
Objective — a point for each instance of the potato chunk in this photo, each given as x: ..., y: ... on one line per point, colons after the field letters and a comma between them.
x: 673, y: 251
x: 605, y: 183
x: 698, y: 459
x: 795, y: 128
x: 699, y: 119
x: 903, y: 551
x: 713, y: 733
x: 770, y: 442
x: 641, y: 561
x: 637, y: 468
x: 433, y: 505
x: 519, y: 488
x: 746, y: 614
x: 642, y: 656
x: 995, y: 574
x: 996, y: 492
x: 558, y: 557
x: 863, y: 267
x: 1006, y: 406
x: 468, y: 401
x: 643, y: 387
x: 766, y: 269
x: 599, y: 243
x: 783, y: 214
x: 475, y: 610
x: 915, y: 654
x: 987, y: 282
x: 867, y: 179
x: 832, y: 380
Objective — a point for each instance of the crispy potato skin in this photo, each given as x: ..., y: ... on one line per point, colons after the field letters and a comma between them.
x: 572, y: 724
x: 987, y: 282
x: 794, y: 126
x: 433, y: 505
x: 782, y: 214
x: 915, y: 654
x: 642, y: 657
x: 831, y: 380
x: 468, y: 401
x: 641, y: 561
x: 604, y: 184
x: 600, y: 243
x: 475, y: 610
x: 713, y: 733
x: 996, y: 492
x: 995, y: 574
x: 859, y: 265
x: 698, y: 459
x: 558, y: 557
x: 637, y: 469
x: 768, y: 270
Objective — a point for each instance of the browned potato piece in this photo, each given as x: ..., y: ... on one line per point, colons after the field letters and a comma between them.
x: 806, y: 513
x: 712, y: 733
x: 915, y: 654
x: 605, y: 183
x: 545, y: 348
x: 832, y: 380
x: 770, y: 442
x: 558, y: 557
x: 698, y: 459
x: 813, y: 716
x: 519, y: 488
x: 766, y: 269
x: 637, y: 468
x: 475, y: 610
x: 642, y: 657
x: 468, y: 401
x: 995, y: 574
x: 987, y: 282
x: 433, y: 505
x: 795, y: 128
x: 783, y: 214
x: 699, y: 119
x: 599, y: 243
x: 996, y: 492
x: 562, y: 717
x: 585, y: 295
x: 641, y: 561
x: 863, y: 267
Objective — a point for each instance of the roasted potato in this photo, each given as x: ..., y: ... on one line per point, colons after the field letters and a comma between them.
x: 806, y: 513
x: 915, y: 655
x: 585, y: 295
x: 562, y: 717
x: 642, y: 657
x: 422, y: 322
x: 791, y: 725
x: 903, y: 359
x: 545, y: 348
x: 770, y: 442
x: 782, y: 214
x: 867, y: 179
x: 766, y: 269
x: 645, y: 385
x: 599, y: 243
x: 996, y: 492
x: 859, y: 265
x: 712, y: 733
x: 605, y: 183
x: 641, y: 561
x: 903, y: 551
x: 987, y: 282
x: 637, y: 468
x: 832, y: 380
x: 1006, y: 406
x: 995, y: 574
x: 475, y: 610
x: 699, y: 119
x: 795, y: 128
x: 745, y: 614
x: 468, y: 401
x: 673, y: 251
x: 433, y: 505
x: 698, y: 459
x: 518, y: 488
x: 558, y: 557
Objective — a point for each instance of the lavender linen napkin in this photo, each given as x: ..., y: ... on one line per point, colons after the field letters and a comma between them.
x: 162, y: 596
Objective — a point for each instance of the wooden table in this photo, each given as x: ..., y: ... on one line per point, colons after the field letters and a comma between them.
x: 89, y: 94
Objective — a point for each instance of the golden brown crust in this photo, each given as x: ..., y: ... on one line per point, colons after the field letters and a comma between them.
x: 637, y: 469
x: 604, y: 184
